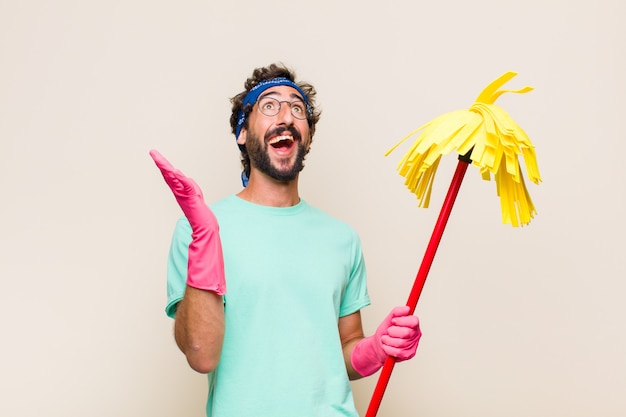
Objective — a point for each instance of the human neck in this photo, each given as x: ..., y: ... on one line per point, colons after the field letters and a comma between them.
x: 267, y: 191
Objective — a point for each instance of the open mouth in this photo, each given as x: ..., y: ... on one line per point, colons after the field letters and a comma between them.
x: 282, y: 142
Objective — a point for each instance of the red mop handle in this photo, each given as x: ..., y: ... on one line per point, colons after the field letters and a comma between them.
x: 420, y: 279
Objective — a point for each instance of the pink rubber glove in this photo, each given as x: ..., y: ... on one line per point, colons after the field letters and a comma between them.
x: 205, y: 266
x: 397, y: 336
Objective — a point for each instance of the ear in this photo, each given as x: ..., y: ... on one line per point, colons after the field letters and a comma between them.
x: 241, y: 140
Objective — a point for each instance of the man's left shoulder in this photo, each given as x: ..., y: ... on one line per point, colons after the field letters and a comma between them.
x: 330, y: 220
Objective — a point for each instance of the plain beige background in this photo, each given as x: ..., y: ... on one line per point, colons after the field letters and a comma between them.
x: 517, y: 322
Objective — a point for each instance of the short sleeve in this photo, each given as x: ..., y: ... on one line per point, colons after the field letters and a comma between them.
x: 177, y: 265
x: 355, y: 296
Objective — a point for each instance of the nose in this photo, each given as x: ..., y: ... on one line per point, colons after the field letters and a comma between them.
x: 284, y: 116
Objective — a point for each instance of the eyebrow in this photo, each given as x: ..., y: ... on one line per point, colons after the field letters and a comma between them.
x: 269, y: 93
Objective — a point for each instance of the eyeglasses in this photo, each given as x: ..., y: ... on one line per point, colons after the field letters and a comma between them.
x: 270, y: 106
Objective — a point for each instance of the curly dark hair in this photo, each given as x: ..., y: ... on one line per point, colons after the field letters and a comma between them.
x: 267, y: 73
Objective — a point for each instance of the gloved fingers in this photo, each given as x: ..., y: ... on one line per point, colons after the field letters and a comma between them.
x: 161, y: 162
x: 400, y: 319
x: 400, y: 311
x: 400, y: 354
x: 403, y: 332
x: 402, y: 336
x: 400, y: 342
x: 179, y: 183
x: 406, y: 321
x: 401, y: 349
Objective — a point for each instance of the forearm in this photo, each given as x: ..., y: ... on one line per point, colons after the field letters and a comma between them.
x: 199, y: 328
x: 348, y: 347
x: 351, y: 333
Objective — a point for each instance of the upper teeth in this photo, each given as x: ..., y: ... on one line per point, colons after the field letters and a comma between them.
x: 279, y: 138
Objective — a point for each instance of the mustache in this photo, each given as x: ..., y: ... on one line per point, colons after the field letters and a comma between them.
x: 281, y: 131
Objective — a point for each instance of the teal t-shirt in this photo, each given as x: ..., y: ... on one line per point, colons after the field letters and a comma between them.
x: 290, y: 274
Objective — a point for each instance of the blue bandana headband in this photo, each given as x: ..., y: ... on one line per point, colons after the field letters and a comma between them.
x: 255, y: 92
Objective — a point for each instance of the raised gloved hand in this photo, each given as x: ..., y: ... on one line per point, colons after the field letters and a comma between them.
x: 397, y: 336
x: 205, y: 267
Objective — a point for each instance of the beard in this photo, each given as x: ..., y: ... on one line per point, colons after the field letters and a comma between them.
x: 284, y: 170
